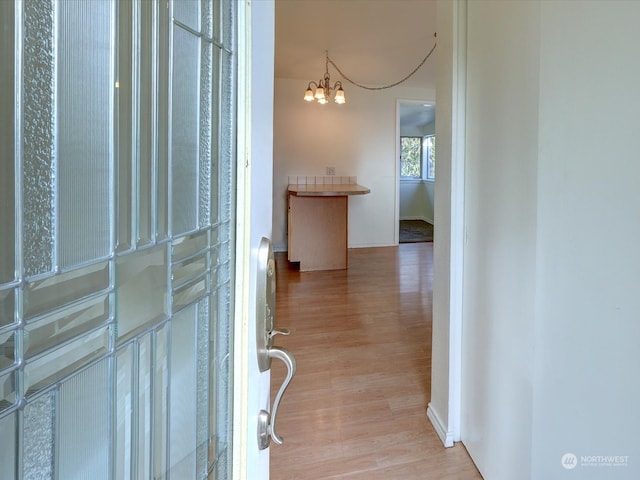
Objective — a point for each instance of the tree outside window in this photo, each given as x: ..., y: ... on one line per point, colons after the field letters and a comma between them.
x: 411, y: 157
x: 418, y: 157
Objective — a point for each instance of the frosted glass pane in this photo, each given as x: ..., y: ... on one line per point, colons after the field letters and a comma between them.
x: 220, y: 370
x: 162, y: 207
x: 47, y: 369
x: 147, y: 126
x: 144, y: 406
x: 7, y: 152
x: 65, y: 324
x: 7, y: 349
x: 126, y: 139
x: 189, y: 293
x: 160, y: 402
x: 7, y: 307
x: 7, y: 390
x: 185, y: 100
x: 53, y: 292
x: 182, y: 420
x: 38, y: 449
x: 37, y: 142
x: 8, y: 442
x: 187, y: 12
x: 188, y: 245
x: 124, y: 412
x: 184, y: 271
x: 141, y: 279
x: 84, y: 425
x: 85, y: 120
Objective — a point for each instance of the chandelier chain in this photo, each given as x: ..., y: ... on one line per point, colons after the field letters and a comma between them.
x: 383, y: 87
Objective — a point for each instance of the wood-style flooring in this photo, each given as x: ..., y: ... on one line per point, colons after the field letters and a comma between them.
x: 362, y: 339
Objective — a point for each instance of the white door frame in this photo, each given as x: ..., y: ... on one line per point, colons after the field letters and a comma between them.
x: 256, y: 37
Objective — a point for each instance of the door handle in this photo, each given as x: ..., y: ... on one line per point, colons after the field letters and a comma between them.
x: 266, y: 420
x: 265, y: 316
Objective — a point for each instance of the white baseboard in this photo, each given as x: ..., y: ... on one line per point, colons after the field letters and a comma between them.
x: 445, y: 436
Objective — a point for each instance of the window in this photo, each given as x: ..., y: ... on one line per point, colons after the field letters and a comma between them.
x: 418, y: 157
x: 429, y: 156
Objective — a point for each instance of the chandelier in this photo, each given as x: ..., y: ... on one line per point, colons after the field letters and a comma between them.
x: 323, y: 88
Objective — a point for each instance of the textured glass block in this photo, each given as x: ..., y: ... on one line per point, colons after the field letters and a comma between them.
x: 216, y: 140
x: 207, y: 9
x: 38, y: 137
x: 202, y: 399
x: 64, y: 324
x: 84, y: 425
x: 226, y: 207
x: 124, y: 412
x: 228, y: 9
x: 7, y: 390
x: 7, y: 306
x: 85, y: 128
x: 39, y: 421
x: 206, y: 121
x: 47, y: 369
x: 8, y: 443
x: 7, y: 349
x: 160, y: 401
x: 187, y: 12
x: 147, y: 130
x: 7, y: 139
x: 51, y: 293
x: 141, y: 288
x: 185, y: 101
x: 182, y: 418
x: 145, y: 374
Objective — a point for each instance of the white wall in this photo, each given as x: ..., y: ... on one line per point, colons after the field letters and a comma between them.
x: 358, y: 138
x: 588, y: 307
x: 416, y: 200
x: 551, y: 306
x: 500, y: 211
x: 440, y: 408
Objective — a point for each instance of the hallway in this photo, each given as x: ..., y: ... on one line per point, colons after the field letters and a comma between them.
x: 362, y: 340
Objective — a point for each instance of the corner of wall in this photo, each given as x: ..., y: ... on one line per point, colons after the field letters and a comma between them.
x: 446, y: 435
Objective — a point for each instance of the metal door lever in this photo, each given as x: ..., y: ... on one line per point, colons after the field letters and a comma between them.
x: 266, y: 420
x: 279, y: 331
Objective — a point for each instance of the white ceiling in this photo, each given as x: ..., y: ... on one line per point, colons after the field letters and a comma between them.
x: 374, y: 42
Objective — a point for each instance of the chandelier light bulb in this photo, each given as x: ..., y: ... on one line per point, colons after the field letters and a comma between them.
x: 308, y: 95
x: 339, y: 98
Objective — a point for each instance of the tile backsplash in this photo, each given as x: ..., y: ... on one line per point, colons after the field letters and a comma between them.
x: 322, y: 180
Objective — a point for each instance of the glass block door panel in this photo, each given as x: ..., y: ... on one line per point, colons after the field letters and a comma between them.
x: 116, y: 248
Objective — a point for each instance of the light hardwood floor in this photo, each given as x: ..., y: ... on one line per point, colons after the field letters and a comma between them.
x: 362, y: 339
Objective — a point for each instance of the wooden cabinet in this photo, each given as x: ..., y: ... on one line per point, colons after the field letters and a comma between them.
x: 318, y: 219
x: 318, y: 232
